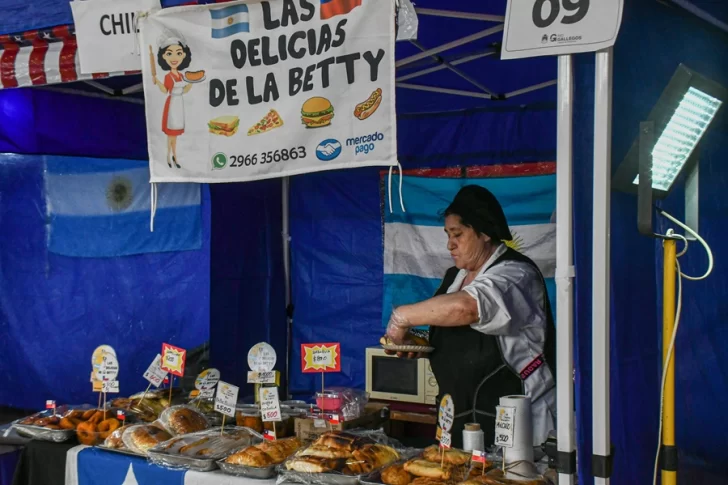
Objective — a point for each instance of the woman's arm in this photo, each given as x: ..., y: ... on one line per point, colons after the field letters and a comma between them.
x: 160, y: 86
x: 451, y: 310
x: 187, y: 88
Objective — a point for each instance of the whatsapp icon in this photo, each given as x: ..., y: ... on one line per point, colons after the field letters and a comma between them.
x: 219, y: 161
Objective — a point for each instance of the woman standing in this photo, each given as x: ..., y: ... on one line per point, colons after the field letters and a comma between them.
x: 490, y: 321
x: 174, y: 56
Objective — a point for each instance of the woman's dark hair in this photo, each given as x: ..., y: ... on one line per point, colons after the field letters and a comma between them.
x: 478, y: 208
x: 182, y: 66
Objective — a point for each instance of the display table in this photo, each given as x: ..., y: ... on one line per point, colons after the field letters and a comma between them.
x: 92, y: 466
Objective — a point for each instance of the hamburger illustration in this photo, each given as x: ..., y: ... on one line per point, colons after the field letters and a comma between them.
x: 317, y: 112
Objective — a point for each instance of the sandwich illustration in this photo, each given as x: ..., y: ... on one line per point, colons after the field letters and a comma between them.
x: 317, y: 112
x: 224, y: 125
x: 367, y: 108
x: 194, y: 76
x: 270, y: 121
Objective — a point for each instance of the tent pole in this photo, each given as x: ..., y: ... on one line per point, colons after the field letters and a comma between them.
x: 454, y: 69
x: 565, y: 275
x: 530, y: 89
x: 459, y: 15
x: 440, y: 67
x: 449, y: 45
x: 601, y: 440
x: 285, y: 188
x: 431, y: 89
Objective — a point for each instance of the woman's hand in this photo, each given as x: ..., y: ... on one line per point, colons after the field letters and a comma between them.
x: 397, y: 327
x: 187, y: 88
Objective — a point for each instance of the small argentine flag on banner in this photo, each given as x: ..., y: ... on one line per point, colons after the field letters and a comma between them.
x: 229, y: 21
x: 415, y: 244
x: 100, y: 208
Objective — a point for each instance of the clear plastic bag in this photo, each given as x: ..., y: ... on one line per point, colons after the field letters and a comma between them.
x: 259, y: 460
x: 142, y: 437
x: 340, y: 458
x: 345, y: 402
x: 200, y: 451
x: 183, y: 419
x: 407, y: 21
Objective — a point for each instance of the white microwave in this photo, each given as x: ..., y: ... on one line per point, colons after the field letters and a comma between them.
x: 391, y: 378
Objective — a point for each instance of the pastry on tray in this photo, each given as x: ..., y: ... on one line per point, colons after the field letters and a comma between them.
x: 265, y: 454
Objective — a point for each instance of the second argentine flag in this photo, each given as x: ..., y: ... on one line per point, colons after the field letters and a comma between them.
x: 415, y: 245
x: 229, y: 21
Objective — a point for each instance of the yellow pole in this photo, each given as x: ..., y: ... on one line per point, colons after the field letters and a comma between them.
x: 668, y: 325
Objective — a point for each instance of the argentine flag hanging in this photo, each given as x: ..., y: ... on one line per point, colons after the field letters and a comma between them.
x: 99, y: 208
x: 415, y: 244
x: 229, y: 21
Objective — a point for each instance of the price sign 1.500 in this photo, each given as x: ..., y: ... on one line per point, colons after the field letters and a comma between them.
x: 558, y: 27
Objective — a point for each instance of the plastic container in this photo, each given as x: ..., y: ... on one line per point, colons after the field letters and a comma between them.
x: 249, y: 418
x: 329, y: 400
x: 140, y: 439
x: 180, y: 420
x: 284, y: 428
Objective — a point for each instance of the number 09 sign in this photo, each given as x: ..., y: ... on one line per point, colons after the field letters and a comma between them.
x: 557, y: 27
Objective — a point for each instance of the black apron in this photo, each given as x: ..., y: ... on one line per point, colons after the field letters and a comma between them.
x: 469, y: 364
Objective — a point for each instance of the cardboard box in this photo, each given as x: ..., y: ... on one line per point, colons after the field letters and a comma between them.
x: 308, y: 429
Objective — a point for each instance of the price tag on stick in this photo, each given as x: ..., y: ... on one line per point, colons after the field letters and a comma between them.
x: 262, y: 357
x: 445, y: 440
x: 226, y: 398
x: 173, y: 360
x: 504, y: 426
x: 270, y: 406
x: 154, y: 374
x: 111, y: 387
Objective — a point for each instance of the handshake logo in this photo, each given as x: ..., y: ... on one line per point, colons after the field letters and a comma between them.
x: 328, y: 150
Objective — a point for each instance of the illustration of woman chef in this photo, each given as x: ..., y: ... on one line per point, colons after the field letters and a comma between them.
x: 173, y: 55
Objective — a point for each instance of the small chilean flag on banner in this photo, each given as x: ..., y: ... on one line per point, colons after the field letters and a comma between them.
x: 120, y: 415
x: 479, y: 456
x: 332, y: 8
x: 50, y: 404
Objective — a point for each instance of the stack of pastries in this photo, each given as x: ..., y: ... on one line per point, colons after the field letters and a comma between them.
x: 344, y: 453
x: 91, y: 425
x: 265, y: 454
x: 431, y: 468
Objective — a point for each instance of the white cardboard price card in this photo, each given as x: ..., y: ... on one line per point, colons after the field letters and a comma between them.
x: 111, y: 387
x: 109, y: 368
x: 558, y: 27
x: 446, y: 413
x: 445, y: 440
x: 262, y: 357
x: 207, y: 380
x: 504, y: 426
x: 154, y: 374
x: 226, y: 398
x: 270, y: 406
x: 262, y: 377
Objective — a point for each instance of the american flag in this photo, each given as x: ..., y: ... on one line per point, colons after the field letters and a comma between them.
x: 45, y: 56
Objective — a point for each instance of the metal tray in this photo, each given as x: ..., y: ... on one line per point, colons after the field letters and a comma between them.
x: 180, y: 461
x: 123, y: 451
x: 319, y: 478
x: 44, y: 434
x: 261, y: 473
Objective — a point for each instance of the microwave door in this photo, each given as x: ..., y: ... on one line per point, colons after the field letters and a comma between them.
x: 396, y: 379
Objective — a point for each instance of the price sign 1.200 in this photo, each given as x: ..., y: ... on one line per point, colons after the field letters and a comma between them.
x: 545, y: 12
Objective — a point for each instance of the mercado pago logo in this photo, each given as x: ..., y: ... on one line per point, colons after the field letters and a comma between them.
x: 366, y: 143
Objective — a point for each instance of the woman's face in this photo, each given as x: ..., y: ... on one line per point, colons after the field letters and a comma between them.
x: 174, y: 55
x: 467, y: 248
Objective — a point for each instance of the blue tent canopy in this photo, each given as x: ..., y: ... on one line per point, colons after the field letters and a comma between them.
x: 244, y: 267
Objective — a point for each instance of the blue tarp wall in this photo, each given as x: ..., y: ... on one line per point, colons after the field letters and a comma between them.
x: 337, y: 239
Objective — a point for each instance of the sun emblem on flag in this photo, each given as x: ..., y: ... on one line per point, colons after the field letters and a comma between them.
x: 230, y: 21
x: 515, y: 243
x: 119, y: 193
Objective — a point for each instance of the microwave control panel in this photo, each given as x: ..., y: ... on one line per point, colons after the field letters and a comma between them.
x: 431, y: 387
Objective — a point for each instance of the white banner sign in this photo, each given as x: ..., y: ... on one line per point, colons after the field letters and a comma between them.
x: 556, y: 27
x: 255, y: 89
x: 105, y: 32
